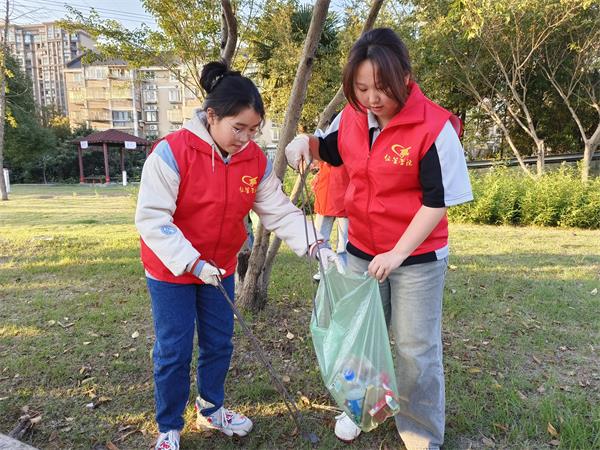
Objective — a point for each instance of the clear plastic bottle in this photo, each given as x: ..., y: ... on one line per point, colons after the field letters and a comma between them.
x: 354, y: 393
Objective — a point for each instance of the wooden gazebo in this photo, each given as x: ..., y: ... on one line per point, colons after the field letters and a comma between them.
x: 109, y: 138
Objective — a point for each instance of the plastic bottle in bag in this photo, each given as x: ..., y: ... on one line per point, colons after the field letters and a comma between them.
x: 354, y: 393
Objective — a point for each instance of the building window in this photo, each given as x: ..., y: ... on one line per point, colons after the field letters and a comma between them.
x: 95, y: 73
x: 121, y: 118
x: 175, y: 115
x: 151, y: 116
x: 119, y: 73
x: 275, y: 132
x: 150, y: 96
x: 174, y: 95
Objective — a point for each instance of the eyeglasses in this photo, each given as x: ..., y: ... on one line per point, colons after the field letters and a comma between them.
x: 238, y: 133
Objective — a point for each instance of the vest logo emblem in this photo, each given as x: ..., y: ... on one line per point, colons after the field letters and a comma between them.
x: 398, y: 156
x: 248, y: 184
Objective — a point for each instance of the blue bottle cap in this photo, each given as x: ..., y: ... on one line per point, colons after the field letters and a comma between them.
x: 349, y: 374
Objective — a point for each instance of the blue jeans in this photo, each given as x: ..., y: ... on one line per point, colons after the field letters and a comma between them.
x: 325, y: 226
x: 176, y: 309
x: 412, y: 304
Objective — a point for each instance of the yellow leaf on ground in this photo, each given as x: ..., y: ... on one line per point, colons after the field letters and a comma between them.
x: 552, y: 430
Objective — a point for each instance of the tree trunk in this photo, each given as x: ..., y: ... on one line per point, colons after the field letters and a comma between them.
x: 324, y: 119
x: 339, y: 98
x: 254, y: 291
x: 228, y: 31
x: 585, y: 162
x: 3, y: 103
x: 541, y: 157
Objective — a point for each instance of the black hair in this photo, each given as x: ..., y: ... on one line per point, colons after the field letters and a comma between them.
x: 228, y: 92
x: 386, y: 51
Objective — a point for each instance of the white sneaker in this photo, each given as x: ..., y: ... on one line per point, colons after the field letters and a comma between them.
x: 168, y: 441
x: 345, y: 429
x: 224, y: 420
x: 317, y: 276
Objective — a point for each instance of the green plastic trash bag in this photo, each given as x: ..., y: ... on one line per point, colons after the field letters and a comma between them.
x: 353, y: 349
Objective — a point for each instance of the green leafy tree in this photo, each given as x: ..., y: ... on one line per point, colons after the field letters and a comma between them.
x: 190, y: 33
x: 491, y: 51
x: 276, y: 45
x: 571, y: 63
x: 25, y: 138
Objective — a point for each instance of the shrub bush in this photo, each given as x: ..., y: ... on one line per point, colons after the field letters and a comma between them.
x: 507, y: 197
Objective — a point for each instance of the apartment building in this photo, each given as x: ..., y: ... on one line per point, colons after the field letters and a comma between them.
x: 149, y: 102
x: 43, y: 51
x: 104, y: 95
x: 166, y: 101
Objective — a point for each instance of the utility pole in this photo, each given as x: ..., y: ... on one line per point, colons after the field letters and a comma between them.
x: 3, y: 102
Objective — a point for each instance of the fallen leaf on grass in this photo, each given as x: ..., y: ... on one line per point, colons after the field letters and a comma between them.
x: 289, y: 335
x: 536, y: 359
x: 111, y: 446
x: 285, y: 379
x: 554, y: 442
x: 474, y: 370
x: 541, y: 389
x: 501, y: 426
x: 135, y: 335
x: 594, y: 291
x: 552, y: 430
x: 521, y: 395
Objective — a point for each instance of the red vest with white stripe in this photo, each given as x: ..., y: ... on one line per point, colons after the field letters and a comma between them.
x: 385, y: 193
x: 211, y: 203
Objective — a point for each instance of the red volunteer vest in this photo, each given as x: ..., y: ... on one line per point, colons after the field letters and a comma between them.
x: 329, y: 187
x: 384, y: 192
x: 210, y: 205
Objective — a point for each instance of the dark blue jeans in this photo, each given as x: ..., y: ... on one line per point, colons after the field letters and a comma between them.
x: 176, y: 308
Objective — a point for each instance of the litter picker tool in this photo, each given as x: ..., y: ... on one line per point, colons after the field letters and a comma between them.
x: 296, y: 415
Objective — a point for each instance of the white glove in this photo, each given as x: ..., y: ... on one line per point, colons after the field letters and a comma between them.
x: 209, y: 274
x: 298, y: 150
x: 327, y: 257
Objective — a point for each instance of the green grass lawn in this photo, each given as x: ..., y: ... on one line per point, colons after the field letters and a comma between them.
x: 522, y: 327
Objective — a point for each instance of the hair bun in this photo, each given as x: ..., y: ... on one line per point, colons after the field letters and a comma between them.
x: 212, y: 73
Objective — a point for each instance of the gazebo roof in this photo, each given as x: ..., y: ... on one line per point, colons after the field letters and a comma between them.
x: 111, y: 136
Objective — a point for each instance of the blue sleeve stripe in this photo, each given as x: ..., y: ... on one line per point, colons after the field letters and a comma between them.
x: 164, y: 151
x: 268, y: 170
